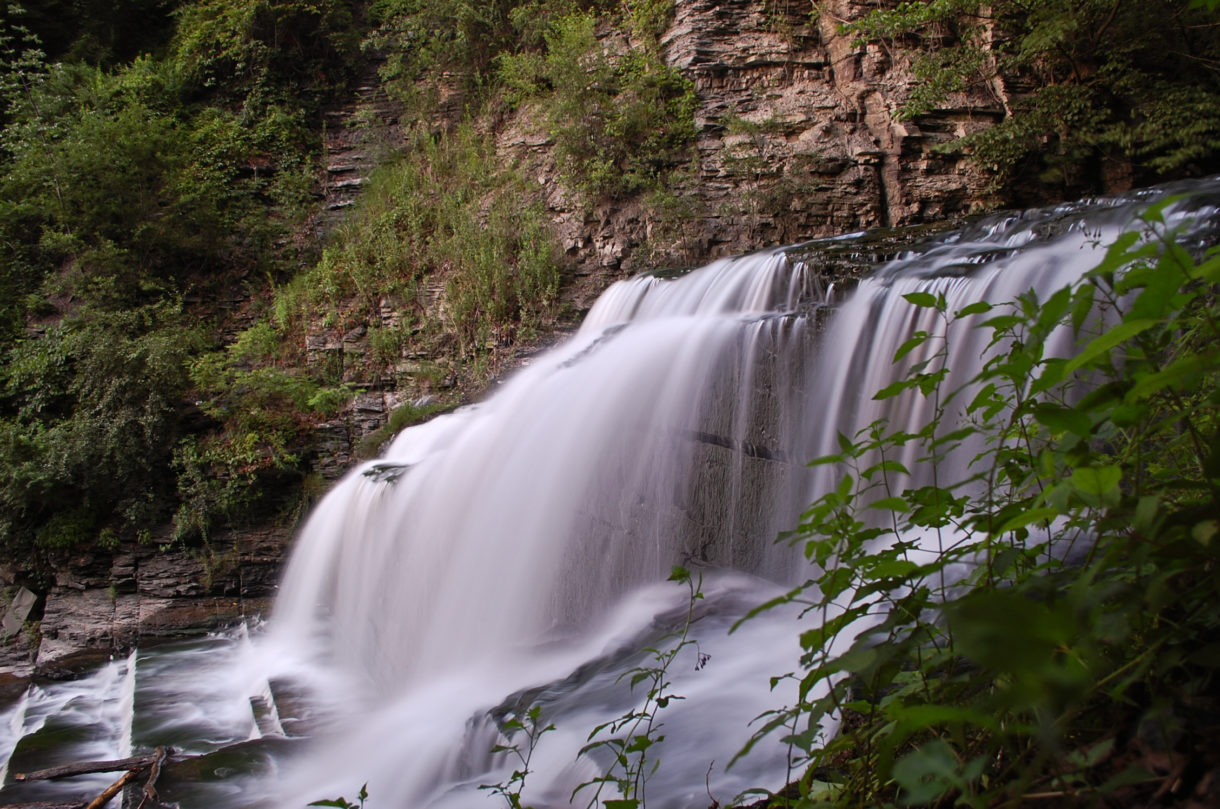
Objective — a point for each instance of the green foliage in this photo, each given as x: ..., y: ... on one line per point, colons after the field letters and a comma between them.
x: 443, y: 215
x: 621, y: 123
x: 239, y: 48
x: 88, y: 419
x: 263, y: 412
x: 529, y: 724
x: 77, y: 123
x: 630, y: 738
x: 1096, y: 86
x: 167, y: 202
x: 1054, y: 611
x: 426, y: 37
x: 98, y: 32
x: 123, y: 197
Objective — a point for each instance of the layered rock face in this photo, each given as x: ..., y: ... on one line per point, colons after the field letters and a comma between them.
x: 799, y: 136
x: 100, y: 606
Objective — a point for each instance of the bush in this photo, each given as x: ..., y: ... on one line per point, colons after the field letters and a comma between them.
x: 621, y: 124
x: 263, y: 414
x: 445, y: 215
x: 89, y: 416
x: 1056, y: 634
x: 239, y: 49
x: 1097, y: 87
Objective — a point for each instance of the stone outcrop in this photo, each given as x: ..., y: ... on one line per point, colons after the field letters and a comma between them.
x: 799, y: 136
x: 101, y: 606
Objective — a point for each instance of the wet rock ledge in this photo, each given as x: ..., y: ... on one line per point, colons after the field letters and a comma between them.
x: 102, y: 606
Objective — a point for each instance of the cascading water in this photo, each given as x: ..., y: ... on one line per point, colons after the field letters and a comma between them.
x: 86, y: 720
x: 473, y: 560
x: 513, y: 552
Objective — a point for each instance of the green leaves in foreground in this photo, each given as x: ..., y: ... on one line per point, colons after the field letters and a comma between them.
x: 1055, y: 640
x: 344, y: 803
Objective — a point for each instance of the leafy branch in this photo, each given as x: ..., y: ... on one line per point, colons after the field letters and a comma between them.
x: 630, y: 738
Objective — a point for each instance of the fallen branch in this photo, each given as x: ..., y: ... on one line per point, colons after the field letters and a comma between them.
x: 134, y: 766
x: 86, y: 767
x: 154, y: 772
x: 114, y: 789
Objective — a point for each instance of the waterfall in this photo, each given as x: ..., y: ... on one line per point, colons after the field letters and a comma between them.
x: 12, y: 728
x: 89, y: 718
x: 579, y: 463
x: 514, y: 552
x: 516, y: 544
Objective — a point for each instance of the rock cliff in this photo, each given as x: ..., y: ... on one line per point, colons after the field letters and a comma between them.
x: 798, y: 136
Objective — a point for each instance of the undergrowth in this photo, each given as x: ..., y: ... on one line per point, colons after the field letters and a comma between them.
x: 1047, y: 626
x: 451, y: 239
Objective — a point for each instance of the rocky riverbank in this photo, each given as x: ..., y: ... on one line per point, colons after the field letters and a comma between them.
x: 102, y: 606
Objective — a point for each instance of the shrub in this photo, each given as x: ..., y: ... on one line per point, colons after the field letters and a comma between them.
x: 89, y: 415
x: 621, y: 124
x: 1097, y: 86
x: 1054, y: 629
x: 445, y: 214
x: 261, y: 48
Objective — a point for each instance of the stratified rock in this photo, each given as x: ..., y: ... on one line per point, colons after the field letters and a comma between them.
x: 79, y: 627
x: 798, y: 136
x: 164, y: 593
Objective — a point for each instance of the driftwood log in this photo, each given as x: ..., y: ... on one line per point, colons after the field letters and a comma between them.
x: 133, y: 768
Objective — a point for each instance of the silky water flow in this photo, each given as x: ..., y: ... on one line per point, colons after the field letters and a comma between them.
x: 514, y: 552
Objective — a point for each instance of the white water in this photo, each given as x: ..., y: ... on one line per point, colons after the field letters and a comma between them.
x: 514, y: 552
x: 481, y: 555
x: 89, y: 718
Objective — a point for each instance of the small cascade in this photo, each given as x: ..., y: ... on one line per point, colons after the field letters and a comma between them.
x: 80, y: 720
x: 12, y: 728
x: 206, y: 694
x: 127, y: 704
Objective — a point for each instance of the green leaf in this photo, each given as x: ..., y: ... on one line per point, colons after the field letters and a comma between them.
x: 925, y: 299
x: 1081, y: 308
x: 890, y: 504
x: 893, y: 568
x: 1104, y: 343
x: 1033, y: 515
x: 927, y: 773
x: 1003, y: 322
x: 976, y: 308
x: 1097, y: 481
x: 1181, y: 370
x: 1209, y: 270
x: 1091, y: 756
x: 893, y: 389
x: 916, y: 340
x: 1063, y: 419
x: 1204, y: 532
